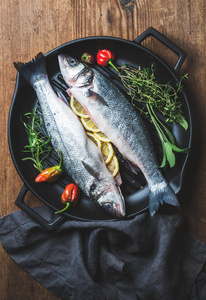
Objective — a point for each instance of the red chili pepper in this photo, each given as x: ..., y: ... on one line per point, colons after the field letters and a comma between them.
x: 88, y: 58
x: 105, y: 57
x: 50, y: 174
x: 70, y: 195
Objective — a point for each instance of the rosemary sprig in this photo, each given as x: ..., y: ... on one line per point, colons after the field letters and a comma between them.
x: 38, y: 146
x: 143, y: 88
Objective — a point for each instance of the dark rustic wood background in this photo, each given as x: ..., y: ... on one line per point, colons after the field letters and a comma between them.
x: 27, y: 27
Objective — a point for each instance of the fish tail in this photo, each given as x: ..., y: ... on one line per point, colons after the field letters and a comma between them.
x: 160, y: 193
x: 34, y: 70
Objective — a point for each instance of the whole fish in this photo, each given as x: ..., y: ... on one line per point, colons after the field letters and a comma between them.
x: 81, y: 157
x: 117, y: 118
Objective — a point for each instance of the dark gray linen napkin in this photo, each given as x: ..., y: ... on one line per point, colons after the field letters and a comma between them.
x: 142, y: 258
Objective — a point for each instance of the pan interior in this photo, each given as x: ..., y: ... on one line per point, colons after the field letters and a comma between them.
x: 134, y: 185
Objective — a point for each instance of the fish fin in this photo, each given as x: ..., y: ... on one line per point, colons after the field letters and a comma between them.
x: 159, y: 194
x: 90, y: 170
x: 33, y: 70
x: 94, y: 96
x: 62, y: 97
x: 88, y: 93
x: 118, y: 179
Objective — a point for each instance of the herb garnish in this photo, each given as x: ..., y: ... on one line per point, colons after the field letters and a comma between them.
x: 143, y: 87
x: 38, y: 147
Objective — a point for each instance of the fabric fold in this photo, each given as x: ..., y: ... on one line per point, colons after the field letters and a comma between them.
x: 141, y: 258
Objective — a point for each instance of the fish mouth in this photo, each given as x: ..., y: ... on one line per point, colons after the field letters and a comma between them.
x: 113, y: 202
x: 116, y: 210
x: 71, y: 80
x: 61, y: 58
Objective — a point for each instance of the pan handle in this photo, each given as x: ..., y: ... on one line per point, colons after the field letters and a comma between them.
x: 165, y: 41
x: 21, y: 204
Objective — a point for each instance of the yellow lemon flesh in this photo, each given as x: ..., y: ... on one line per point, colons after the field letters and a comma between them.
x: 102, y: 137
x: 99, y: 138
x: 107, y: 152
x: 113, y: 166
x: 77, y: 108
x: 94, y: 139
x: 89, y: 125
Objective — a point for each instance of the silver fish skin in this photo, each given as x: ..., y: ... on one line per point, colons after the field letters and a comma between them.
x: 81, y: 157
x: 116, y: 117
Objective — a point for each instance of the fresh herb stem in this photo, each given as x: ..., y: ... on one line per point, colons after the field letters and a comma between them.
x: 38, y: 146
x: 143, y: 88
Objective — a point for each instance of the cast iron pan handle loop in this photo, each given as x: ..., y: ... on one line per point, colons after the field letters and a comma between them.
x: 20, y: 203
x: 160, y: 37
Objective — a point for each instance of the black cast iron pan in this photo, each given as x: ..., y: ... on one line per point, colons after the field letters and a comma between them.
x: 134, y: 186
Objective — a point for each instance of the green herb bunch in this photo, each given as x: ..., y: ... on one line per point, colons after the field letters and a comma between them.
x: 38, y: 146
x: 143, y: 88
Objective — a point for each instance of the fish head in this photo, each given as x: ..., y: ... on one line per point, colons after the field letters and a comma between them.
x: 74, y: 72
x: 109, y: 197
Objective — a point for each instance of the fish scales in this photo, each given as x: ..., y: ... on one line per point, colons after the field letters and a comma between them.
x: 131, y: 135
x: 81, y: 157
x: 74, y: 146
x: 117, y: 118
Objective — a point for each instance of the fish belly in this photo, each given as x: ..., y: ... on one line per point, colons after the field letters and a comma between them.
x: 121, y: 123
x: 68, y: 136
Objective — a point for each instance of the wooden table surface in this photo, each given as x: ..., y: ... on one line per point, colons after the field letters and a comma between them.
x: 28, y: 27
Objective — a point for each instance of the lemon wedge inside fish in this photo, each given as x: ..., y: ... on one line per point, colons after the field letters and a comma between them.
x: 102, y: 137
x: 89, y: 125
x: 107, y: 152
x: 113, y: 166
x: 77, y: 108
x: 94, y: 139
x: 98, y: 137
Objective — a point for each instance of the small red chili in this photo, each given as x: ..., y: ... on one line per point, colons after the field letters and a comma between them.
x: 105, y: 57
x: 88, y: 58
x: 50, y: 174
x: 70, y: 195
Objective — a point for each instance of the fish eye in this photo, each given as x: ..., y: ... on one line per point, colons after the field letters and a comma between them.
x: 72, y: 61
x: 108, y: 207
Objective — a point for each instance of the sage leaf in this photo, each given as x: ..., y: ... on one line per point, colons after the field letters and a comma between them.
x: 183, y: 122
x: 169, y: 154
x: 164, y: 159
x: 177, y: 149
x: 170, y: 135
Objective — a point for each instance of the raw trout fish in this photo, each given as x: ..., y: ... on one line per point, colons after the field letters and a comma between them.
x: 116, y: 118
x: 81, y: 157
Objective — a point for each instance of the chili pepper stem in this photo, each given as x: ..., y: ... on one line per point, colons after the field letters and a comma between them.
x: 66, y: 207
x: 113, y: 66
x: 60, y: 163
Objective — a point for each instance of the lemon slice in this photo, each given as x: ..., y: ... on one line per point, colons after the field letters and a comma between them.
x: 94, y: 139
x: 89, y: 125
x: 113, y: 166
x: 102, y: 137
x: 77, y: 108
x: 107, y: 152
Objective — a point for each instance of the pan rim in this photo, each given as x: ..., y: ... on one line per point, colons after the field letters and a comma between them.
x: 174, y: 75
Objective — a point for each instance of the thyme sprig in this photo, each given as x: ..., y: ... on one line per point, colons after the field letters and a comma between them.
x: 38, y: 146
x: 143, y: 88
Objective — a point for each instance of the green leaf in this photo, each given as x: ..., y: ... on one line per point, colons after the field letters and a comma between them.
x: 169, y: 154
x: 177, y: 149
x: 37, y: 145
x: 183, y: 122
x: 170, y: 135
x: 164, y: 159
x: 28, y: 158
